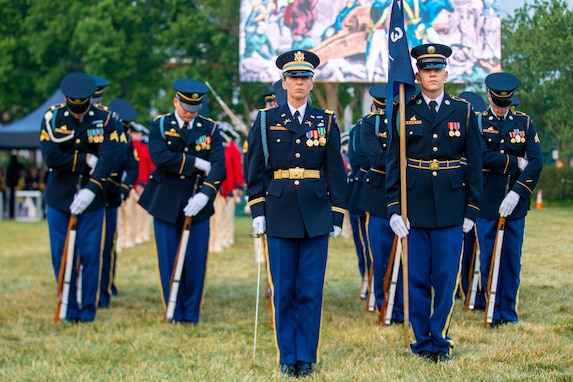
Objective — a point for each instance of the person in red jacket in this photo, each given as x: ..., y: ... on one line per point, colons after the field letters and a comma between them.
x: 230, y: 194
x: 135, y: 222
x: 233, y: 186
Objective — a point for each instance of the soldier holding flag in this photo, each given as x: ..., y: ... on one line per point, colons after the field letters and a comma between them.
x: 443, y: 185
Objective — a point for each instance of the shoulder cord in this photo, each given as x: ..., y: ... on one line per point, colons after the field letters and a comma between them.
x: 264, y: 137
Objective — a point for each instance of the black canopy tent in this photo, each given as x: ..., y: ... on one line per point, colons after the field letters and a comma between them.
x: 25, y: 133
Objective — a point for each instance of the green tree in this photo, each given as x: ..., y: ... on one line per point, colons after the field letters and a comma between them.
x: 537, y: 45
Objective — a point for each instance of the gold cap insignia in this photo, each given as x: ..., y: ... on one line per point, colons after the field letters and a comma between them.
x: 299, y: 56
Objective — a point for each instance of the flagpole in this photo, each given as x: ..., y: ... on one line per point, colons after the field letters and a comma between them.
x: 404, y: 213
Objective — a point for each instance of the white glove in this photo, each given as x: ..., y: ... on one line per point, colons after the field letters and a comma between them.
x: 81, y: 201
x: 259, y: 224
x: 202, y: 164
x: 508, y: 204
x: 522, y: 163
x: 398, y: 226
x: 468, y: 225
x: 91, y: 160
x: 335, y: 231
x: 195, y: 204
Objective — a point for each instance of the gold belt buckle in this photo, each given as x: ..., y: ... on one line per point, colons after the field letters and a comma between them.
x: 296, y: 173
x: 434, y: 164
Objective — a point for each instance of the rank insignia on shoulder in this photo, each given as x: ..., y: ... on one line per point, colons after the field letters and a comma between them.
x: 44, y: 136
x: 159, y: 116
x: 207, y: 119
x: 328, y: 111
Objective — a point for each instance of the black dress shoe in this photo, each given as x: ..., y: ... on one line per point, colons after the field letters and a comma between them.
x: 303, y: 369
x: 289, y: 370
x: 442, y: 356
x: 427, y: 355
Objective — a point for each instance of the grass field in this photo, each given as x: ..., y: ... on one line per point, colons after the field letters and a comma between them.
x: 128, y: 342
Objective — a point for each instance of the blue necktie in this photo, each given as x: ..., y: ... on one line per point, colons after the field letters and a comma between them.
x: 433, y: 105
x: 296, y: 117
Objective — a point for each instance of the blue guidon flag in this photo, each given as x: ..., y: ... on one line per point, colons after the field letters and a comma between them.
x: 399, y: 64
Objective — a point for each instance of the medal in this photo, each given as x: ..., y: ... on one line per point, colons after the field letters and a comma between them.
x: 309, y: 138
x: 322, y: 136
x: 512, y: 140
x: 451, y: 133
x: 197, y: 147
x: 457, y: 133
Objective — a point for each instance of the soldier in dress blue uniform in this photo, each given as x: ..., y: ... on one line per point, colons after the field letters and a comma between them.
x: 372, y: 199
x: 118, y: 188
x: 470, y: 241
x: 296, y: 187
x: 74, y: 136
x: 187, y: 150
x: 359, y: 164
x: 444, y: 181
x: 512, y: 163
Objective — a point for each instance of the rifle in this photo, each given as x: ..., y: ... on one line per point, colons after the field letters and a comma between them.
x: 391, y: 282
x: 66, y: 264
x: 494, y: 272
x: 473, y: 279
x: 179, y: 261
x: 261, y: 236
x: 494, y: 267
x: 232, y: 115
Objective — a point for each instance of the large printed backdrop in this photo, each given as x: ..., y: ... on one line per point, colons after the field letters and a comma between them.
x: 350, y: 36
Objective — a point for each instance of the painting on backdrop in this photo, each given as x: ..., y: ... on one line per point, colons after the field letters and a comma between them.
x: 351, y: 36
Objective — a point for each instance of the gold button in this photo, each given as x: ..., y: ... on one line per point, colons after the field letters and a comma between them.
x: 435, y: 136
x: 278, y: 140
x: 297, y: 141
x: 384, y: 145
x: 434, y: 173
x: 434, y: 149
x: 296, y: 182
x: 501, y: 141
x: 502, y: 151
x: 297, y: 155
x: 186, y: 149
x: 182, y: 177
x: 78, y: 141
